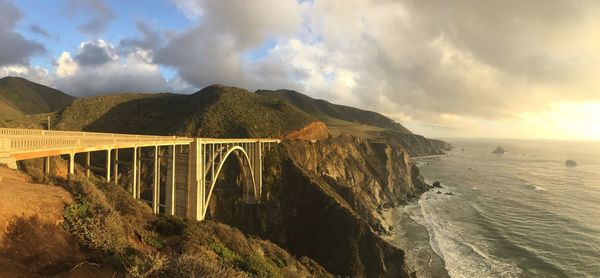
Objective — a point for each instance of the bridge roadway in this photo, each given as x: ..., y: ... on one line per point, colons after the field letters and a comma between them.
x: 193, y: 164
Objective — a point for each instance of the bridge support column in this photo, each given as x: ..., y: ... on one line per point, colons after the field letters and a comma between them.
x: 116, y: 167
x: 156, y: 186
x: 71, y: 165
x: 257, y: 171
x: 47, y: 165
x: 196, y: 194
x: 88, y: 160
x: 139, y: 174
x: 108, y: 165
x: 171, y: 180
x: 134, y: 173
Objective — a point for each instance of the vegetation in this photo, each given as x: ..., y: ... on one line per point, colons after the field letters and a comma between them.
x: 116, y: 230
x: 216, y: 111
x: 19, y: 97
x: 336, y: 115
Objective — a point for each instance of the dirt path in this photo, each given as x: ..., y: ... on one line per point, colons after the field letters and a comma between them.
x: 32, y: 243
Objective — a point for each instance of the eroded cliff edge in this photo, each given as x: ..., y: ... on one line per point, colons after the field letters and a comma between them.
x: 326, y: 200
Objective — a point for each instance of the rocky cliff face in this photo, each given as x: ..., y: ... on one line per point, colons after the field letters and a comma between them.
x: 313, y: 131
x: 325, y: 200
x: 416, y: 145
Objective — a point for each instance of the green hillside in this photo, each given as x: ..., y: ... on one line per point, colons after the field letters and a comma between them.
x: 215, y: 111
x: 19, y: 96
x: 338, y: 117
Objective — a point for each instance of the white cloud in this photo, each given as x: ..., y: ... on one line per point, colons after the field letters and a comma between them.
x: 65, y: 65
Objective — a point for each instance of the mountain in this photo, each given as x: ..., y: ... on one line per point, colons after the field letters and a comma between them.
x: 215, y: 111
x: 19, y: 96
x: 361, y: 123
x: 338, y: 118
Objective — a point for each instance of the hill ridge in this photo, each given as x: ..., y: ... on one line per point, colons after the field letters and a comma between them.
x: 19, y: 96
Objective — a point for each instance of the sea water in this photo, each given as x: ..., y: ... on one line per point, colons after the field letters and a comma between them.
x: 518, y: 214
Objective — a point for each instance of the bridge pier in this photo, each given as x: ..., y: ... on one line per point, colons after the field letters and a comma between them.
x: 134, y: 173
x: 116, y: 166
x: 108, y: 159
x: 47, y: 165
x: 156, y: 185
x: 71, y: 165
x: 88, y: 162
x: 170, y: 192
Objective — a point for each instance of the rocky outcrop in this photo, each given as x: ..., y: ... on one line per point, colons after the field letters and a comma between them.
x: 499, y: 150
x: 313, y: 131
x: 415, y: 145
x: 324, y: 200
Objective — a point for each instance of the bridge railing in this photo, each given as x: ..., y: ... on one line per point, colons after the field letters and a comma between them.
x: 20, y: 132
x: 9, y: 144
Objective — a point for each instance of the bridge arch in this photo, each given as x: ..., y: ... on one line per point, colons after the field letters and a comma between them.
x: 250, y: 189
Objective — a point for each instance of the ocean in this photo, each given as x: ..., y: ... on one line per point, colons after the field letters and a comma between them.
x: 518, y: 214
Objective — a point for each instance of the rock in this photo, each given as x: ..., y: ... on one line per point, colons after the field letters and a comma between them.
x: 449, y: 193
x: 437, y: 184
x: 570, y: 163
x: 439, y: 192
x: 499, y: 150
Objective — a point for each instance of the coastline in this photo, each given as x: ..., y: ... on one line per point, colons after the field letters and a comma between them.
x: 415, y: 240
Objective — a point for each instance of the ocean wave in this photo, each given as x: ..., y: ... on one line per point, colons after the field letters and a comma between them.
x: 462, y: 259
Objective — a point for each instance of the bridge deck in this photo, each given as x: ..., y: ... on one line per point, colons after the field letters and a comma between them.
x: 23, y: 144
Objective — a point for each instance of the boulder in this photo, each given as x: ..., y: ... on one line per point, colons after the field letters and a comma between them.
x: 499, y: 150
x: 437, y: 184
x: 570, y: 163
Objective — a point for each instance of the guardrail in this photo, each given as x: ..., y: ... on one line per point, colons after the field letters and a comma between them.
x: 20, y: 132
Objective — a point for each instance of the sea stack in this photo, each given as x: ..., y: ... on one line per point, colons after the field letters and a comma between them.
x: 499, y: 150
x: 570, y: 163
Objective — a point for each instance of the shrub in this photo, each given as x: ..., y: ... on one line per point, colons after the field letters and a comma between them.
x: 168, y: 225
x: 146, y: 266
x: 93, y: 221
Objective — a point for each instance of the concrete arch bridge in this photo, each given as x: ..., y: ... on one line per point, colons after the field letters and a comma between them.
x: 193, y: 164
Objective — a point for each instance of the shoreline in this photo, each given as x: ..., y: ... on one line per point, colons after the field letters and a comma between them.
x: 414, y: 239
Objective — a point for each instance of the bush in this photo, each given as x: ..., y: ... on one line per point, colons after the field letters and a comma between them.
x: 255, y: 265
x: 147, y: 266
x: 168, y: 225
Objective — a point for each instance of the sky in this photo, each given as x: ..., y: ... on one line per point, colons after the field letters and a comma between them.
x: 463, y: 68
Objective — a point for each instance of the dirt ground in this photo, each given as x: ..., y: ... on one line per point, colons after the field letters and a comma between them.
x: 32, y: 243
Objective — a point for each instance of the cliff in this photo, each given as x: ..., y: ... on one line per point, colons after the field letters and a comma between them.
x: 326, y: 200
x: 313, y: 131
x: 87, y: 228
x: 416, y: 145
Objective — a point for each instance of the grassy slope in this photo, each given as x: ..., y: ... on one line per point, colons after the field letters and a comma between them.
x: 19, y: 96
x: 338, y: 117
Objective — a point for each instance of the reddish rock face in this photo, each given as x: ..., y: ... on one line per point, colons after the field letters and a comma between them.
x: 313, y: 131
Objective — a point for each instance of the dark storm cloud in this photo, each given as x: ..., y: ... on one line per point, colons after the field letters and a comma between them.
x: 14, y: 48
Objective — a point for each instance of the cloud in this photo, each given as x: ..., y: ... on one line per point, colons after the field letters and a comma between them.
x: 213, y: 50
x: 14, y: 48
x: 36, y: 29
x: 97, y: 70
x: 101, y: 15
x: 464, y: 59
x: 150, y: 39
x: 95, y: 53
